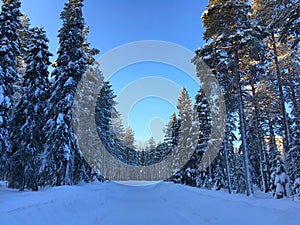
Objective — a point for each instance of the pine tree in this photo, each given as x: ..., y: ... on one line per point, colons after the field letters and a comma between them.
x: 62, y: 160
x: 287, y: 21
x: 289, y: 61
x: 9, y: 51
x: 28, y: 121
x: 228, y: 151
x: 293, y: 156
x: 268, y: 13
x: 256, y: 130
x: 233, y: 37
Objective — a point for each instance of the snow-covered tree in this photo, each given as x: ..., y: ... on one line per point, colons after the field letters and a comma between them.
x: 151, y: 144
x: 118, y: 126
x: 233, y: 38
x: 280, y: 181
x: 62, y: 161
x: 202, y: 109
x: 172, y: 132
x: 9, y: 51
x: 188, y: 139
x: 24, y: 37
x: 24, y: 34
x: 296, y: 189
x: 104, y: 110
x: 293, y: 156
x: 267, y: 13
x: 28, y: 120
x: 238, y: 175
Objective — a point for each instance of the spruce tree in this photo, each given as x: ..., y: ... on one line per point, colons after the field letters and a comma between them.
x: 62, y: 161
x: 172, y: 132
x: 28, y: 121
x: 151, y: 144
x: 203, y: 114
x: 188, y: 139
x: 202, y: 109
x: 104, y: 112
x: 117, y: 124
x: 9, y: 51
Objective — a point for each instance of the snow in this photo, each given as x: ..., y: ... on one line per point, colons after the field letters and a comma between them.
x: 157, y: 203
x: 60, y: 119
x: 69, y: 82
x: 1, y: 95
x: 39, y: 55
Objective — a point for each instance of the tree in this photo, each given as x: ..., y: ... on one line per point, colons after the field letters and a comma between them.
x: 28, y: 121
x: 117, y: 124
x: 280, y: 180
x: 104, y: 112
x: 83, y: 111
x: 202, y: 109
x: 129, y: 138
x: 228, y: 149
x: 238, y: 175
x: 267, y: 13
x: 24, y: 34
x: 171, y: 137
x: 233, y: 38
x: 9, y: 51
x: 188, y: 138
x: 281, y: 21
x: 62, y: 161
x: 293, y: 156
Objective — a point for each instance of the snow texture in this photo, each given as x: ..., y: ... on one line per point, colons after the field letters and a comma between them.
x: 157, y: 203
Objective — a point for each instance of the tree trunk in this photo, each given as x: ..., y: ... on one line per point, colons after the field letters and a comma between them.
x: 243, y: 126
x: 286, y: 136
x: 225, y: 145
x: 264, y: 167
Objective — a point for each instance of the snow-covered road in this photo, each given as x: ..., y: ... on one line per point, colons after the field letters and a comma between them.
x: 155, y: 204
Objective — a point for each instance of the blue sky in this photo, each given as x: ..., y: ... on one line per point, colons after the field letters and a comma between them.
x: 118, y: 22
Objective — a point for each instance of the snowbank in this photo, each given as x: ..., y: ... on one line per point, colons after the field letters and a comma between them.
x: 155, y: 204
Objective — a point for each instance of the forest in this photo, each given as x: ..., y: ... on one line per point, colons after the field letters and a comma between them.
x: 252, y: 49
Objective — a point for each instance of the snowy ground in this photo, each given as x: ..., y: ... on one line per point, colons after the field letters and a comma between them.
x: 155, y: 204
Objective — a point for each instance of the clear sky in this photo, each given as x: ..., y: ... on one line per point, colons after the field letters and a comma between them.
x: 118, y: 22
